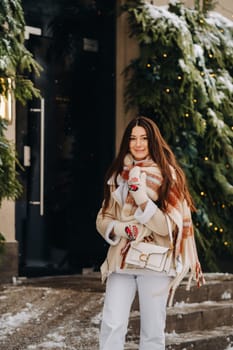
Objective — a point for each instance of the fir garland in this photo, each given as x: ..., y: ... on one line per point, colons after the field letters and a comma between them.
x: 10, y: 188
x: 15, y: 62
x: 183, y: 80
x: 15, y: 59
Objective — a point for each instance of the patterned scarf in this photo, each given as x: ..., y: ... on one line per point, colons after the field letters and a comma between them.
x: 179, y: 212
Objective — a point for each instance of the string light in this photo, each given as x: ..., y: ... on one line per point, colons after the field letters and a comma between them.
x: 194, y: 100
x: 165, y: 55
x: 210, y: 55
x: 167, y: 90
x: 221, y: 230
x: 202, y: 193
x: 206, y: 158
x: 226, y: 243
x: 210, y: 224
x: 215, y: 228
x: 148, y: 65
x: 223, y: 206
x: 179, y: 77
x: 186, y: 115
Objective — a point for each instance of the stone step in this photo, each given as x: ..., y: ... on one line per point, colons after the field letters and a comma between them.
x: 219, y: 286
x: 192, y: 317
x: 219, y: 338
x: 199, y: 316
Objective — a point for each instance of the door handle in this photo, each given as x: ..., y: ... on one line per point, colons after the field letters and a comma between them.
x: 40, y: 110
x: 42, y: 152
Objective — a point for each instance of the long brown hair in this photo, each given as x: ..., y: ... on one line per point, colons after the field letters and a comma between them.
x: 161, y: 154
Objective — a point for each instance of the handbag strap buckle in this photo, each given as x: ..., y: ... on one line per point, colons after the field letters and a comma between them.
x: 143, y: 257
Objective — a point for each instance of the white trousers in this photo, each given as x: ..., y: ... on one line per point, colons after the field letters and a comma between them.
x: 120, y: 293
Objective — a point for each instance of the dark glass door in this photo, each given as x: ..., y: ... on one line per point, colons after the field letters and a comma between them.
x: 66, y: 141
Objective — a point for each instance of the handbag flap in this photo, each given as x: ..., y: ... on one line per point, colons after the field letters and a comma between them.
x: 149, y: 248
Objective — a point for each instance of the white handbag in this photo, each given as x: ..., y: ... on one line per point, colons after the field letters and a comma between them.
x: 150, y: 255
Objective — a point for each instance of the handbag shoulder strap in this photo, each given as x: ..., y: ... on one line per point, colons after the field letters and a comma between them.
x: 169, y: 225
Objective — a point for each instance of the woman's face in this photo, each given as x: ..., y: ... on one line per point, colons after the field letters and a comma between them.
x: 138, y: 143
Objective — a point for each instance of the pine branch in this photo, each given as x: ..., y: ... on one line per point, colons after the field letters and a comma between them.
x: 183, y: 80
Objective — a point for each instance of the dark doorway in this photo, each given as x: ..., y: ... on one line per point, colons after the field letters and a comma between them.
x: 66, y: 139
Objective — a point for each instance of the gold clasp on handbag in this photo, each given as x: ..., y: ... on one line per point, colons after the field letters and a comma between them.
x: 143, y: 257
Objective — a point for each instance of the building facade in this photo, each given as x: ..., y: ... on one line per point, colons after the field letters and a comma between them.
x: 66, y: 139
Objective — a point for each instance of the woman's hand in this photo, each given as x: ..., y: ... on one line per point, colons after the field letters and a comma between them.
x: 127, y: 229
x: 137, y: 185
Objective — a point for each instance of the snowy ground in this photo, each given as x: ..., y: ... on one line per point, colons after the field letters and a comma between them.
x: 35, y: 317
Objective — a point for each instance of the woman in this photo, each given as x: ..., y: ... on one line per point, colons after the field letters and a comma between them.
x: 144, y: 191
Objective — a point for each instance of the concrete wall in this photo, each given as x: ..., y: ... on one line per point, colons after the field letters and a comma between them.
x: 9, y: 262
x: 225, y: 7
x: 126, y: 49
x: 7, y: 212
